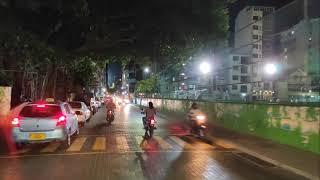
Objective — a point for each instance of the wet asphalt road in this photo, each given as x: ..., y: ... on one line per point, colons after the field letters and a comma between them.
x: 120, y: 152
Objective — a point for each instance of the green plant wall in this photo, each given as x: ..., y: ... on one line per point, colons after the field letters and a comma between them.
x: 296, y: 126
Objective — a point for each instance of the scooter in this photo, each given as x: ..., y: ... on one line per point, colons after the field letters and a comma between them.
x: 150, y: 125
x: 198, y: 125
x: 110, y: 116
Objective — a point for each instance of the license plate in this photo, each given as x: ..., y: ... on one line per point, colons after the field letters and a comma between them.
x: 37, y: 136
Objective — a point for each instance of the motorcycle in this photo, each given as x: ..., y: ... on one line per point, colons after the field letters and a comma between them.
x: 198, y: 125
x: 150, y: 125
x: 110, y: 116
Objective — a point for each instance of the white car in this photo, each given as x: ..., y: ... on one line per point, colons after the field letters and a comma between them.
x: 81, y: 110
x: 39, y: 123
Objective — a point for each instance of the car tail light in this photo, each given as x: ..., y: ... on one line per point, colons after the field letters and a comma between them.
x: 41, y: 106
x: 79, y: 113
x: 62, y: 120
x: 16, y: 122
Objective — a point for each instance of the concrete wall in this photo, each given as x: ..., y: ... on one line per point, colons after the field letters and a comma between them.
x: 296, y: 126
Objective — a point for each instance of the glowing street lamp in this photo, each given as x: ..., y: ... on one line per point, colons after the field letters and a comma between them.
x: 205, y: 67
x: 146, y: 70
x: 270, y: 69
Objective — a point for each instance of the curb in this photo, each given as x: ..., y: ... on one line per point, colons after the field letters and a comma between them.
x: 224, y: 143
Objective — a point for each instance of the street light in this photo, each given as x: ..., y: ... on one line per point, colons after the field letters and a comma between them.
x: 270, y: 69
x: 146, y: 70
x: 205, y: 67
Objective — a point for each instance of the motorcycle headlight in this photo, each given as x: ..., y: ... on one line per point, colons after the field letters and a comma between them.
x: 201, y: 118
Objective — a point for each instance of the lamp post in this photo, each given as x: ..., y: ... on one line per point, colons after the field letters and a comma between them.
x: 205, y: 69
x: 271, y: 69
x: 146, y: 70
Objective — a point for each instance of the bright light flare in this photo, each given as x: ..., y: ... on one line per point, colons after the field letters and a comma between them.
x: 205, y: 67
x: 270, y: 69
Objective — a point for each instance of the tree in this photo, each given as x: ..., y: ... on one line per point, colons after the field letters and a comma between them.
x: 148, y: 85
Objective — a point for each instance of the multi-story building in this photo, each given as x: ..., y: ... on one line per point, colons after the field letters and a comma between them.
x: 237, y: 75
x: 299, y: 52
x: 253, y: 40
x: 130, y: 75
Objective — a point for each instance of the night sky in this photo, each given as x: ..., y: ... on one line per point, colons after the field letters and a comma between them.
x: 114, y: 71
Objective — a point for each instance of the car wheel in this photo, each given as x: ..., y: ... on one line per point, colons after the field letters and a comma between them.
x: 67, y: 142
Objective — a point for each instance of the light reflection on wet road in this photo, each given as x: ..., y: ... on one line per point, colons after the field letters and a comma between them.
x: 119, y: 152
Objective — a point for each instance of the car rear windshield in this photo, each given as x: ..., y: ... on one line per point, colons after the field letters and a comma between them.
x: 75, y: 104
x: 40, y: 111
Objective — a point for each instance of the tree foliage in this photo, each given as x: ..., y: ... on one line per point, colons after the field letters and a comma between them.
x: 148, y: 85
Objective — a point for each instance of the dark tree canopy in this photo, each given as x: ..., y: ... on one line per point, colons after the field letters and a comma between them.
x: 122, y: 26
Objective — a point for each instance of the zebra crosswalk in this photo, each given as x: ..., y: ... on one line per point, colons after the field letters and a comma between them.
x: 118, y: 143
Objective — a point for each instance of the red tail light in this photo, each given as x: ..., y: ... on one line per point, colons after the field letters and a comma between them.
x: 152, y: 121
x: 16, y: 122
x: 62, y: 121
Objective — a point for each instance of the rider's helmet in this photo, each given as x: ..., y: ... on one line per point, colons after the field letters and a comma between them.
x: 194, y: 106
x: 150, y: 105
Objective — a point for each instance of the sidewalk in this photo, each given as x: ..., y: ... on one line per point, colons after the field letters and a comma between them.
x: 301, y: 162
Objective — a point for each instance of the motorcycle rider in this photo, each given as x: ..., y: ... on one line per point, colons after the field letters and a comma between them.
x: 150, y: 112
x: 110, y: 105
x: 193, y: 113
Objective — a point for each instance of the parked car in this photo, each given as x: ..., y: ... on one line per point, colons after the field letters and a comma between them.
x: 82, y: 111
x: 44, y: 122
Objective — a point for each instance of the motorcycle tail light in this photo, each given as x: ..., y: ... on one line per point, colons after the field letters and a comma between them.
x: 152, y: 121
